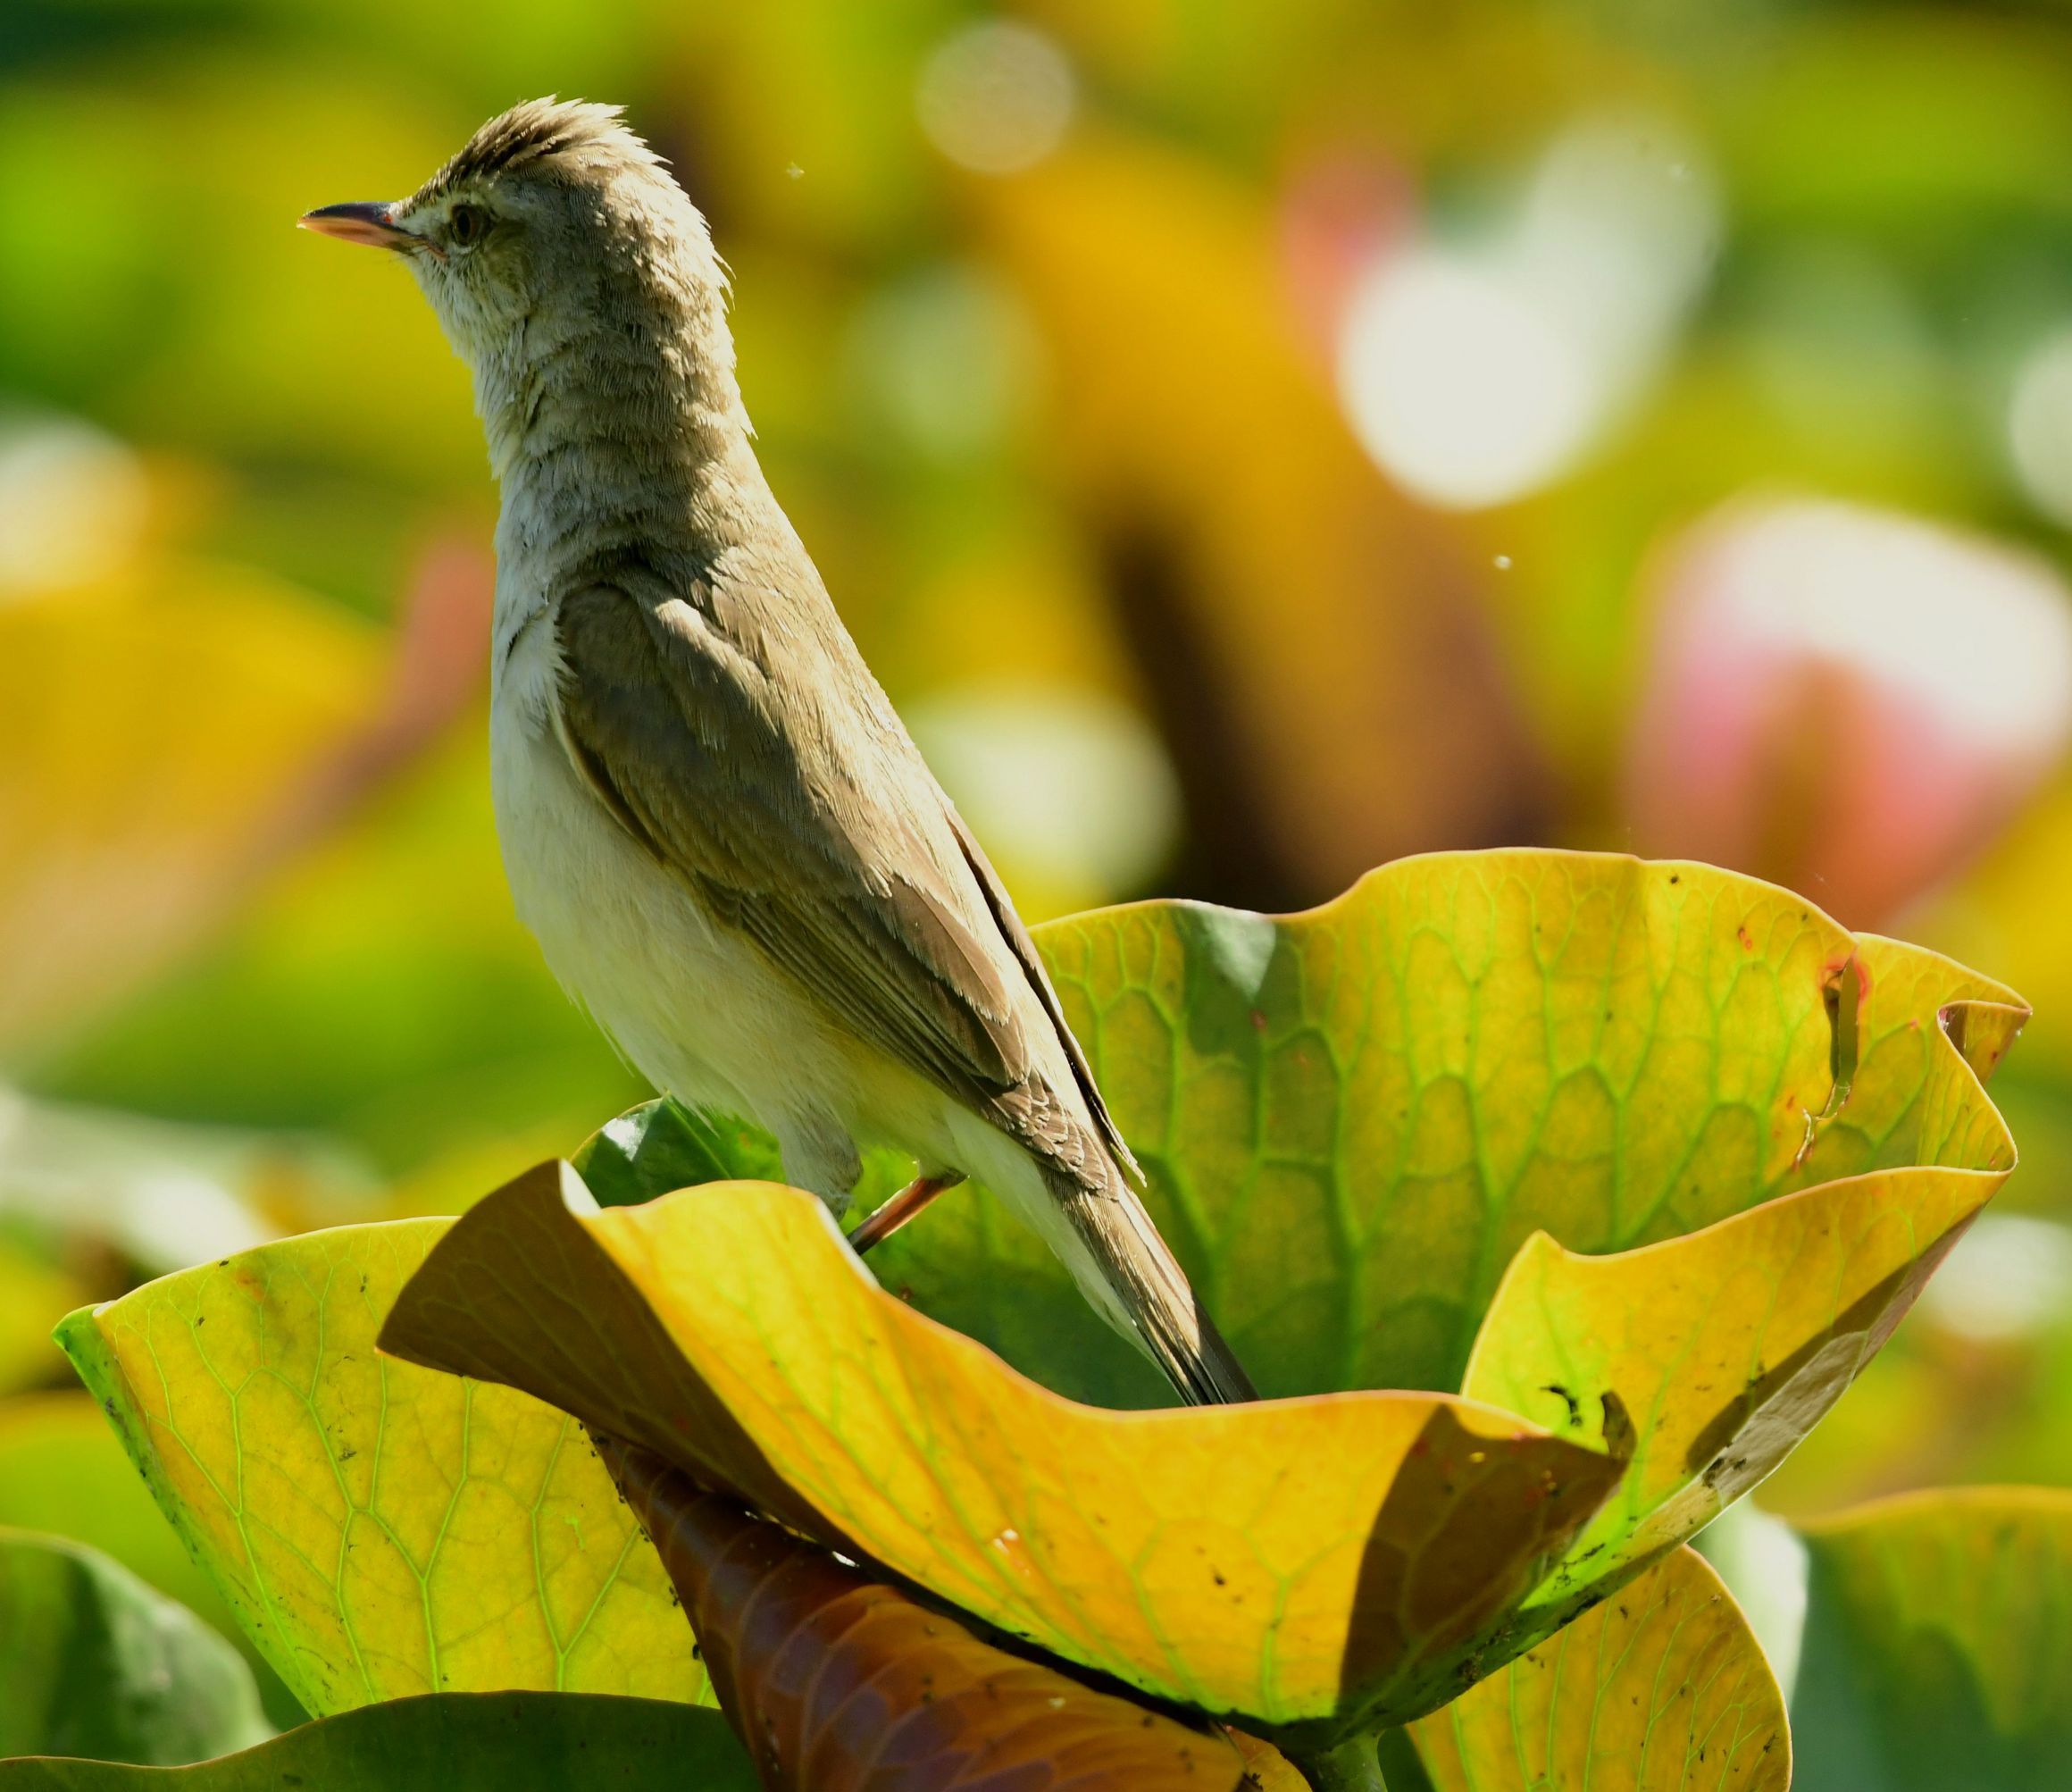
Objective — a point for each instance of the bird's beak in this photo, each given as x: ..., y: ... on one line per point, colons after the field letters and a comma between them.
x: 363, y: 221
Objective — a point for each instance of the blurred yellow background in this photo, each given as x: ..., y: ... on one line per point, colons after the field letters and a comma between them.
x: 1250, y: 442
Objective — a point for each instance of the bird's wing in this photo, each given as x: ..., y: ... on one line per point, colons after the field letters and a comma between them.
x: 834, y: 876
x: 1016, y: 935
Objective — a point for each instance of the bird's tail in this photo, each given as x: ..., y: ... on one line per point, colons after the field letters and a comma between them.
x: 1142, y: 1278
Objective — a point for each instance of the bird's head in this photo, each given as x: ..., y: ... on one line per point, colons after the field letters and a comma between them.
x: 554, y: 217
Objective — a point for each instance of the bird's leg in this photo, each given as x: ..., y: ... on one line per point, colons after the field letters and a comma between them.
x: 882, y: 1222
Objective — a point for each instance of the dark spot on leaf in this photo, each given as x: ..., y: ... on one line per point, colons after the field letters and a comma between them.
x: 1708, y: 1449
x: 1618, y: 1426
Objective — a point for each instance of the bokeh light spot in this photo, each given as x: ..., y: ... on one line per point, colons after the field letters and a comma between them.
x: 2040, y: 426
x: 1065, y: 779
x: 995, y: 98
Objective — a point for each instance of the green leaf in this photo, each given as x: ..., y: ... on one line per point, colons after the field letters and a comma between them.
x: 843, y: 1681
x: 1312, y: 1564
x: 1353, y: 1118
x: 1937, y: 1655
x: 1708, y: 1358
x: 663, y: 1146
x: 93, y: 1662
x: 1662, y: 1689
x: 379, y: 1531
x: 453, y: 1742
x: 63, y: 1471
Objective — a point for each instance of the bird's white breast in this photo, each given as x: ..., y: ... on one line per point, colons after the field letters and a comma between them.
x: 696, y: 1008
x: 624, y: 936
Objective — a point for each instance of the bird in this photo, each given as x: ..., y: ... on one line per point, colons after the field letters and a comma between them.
x: 727, y: 845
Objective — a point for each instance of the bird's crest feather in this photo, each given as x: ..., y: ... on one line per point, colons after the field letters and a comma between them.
x: 544, y: 135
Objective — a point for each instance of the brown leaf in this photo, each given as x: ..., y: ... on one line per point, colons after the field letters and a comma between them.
x: 834, y: 1681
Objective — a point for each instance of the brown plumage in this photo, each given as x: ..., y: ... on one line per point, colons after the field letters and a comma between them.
x: 727, y: 843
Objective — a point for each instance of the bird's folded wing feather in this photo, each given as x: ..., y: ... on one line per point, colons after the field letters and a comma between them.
x: 782, y: 836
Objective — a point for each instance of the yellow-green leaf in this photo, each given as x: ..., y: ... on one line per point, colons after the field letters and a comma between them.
x: 1660, y: 1689
x: 379, y: 1531
x: 1937, y: 1653
x: 1316, y: 1565
x: 1929, y: 1032
x: 1353, y: 1118
x: 1710, y: 1356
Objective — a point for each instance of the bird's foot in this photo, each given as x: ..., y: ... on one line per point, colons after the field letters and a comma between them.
x: 880, y: 1223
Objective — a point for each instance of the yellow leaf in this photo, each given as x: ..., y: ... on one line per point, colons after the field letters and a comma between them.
x: 1318, y: 1565
x: 379, y: 1531
x: 1662, y: 1689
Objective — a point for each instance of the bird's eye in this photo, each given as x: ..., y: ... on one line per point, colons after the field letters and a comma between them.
x: 466, y: 224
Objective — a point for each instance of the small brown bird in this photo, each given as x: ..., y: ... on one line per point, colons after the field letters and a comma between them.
x: 729, y: 847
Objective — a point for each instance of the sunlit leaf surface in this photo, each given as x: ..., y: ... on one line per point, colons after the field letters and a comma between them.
x: 379, y: 1531
x: 93, y: 1662
x: 843, y: 1683
x: 1353, y: 1119
x: 1712, y: 1355
x: 1312, y: 1563
x: 452, y: 1742
x: 1662, y: 1688
x: 1938, y: 1646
